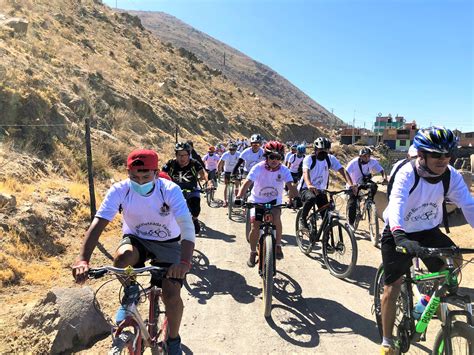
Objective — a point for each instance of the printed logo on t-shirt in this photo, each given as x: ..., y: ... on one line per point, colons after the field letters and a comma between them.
x: 279, y: 178
x: 426, y: 212
x: 268, y: 192
x: 153, y: 230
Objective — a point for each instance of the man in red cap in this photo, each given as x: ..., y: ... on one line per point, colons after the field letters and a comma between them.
x: 156, y: 225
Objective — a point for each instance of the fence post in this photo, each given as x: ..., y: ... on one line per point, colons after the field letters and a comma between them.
x: 89, y: 168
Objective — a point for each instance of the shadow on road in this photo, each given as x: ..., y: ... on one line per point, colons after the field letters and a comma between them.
x: 300, y: 320
x: 206, y: 280
x: 363, y: 276
x: 209, y: 233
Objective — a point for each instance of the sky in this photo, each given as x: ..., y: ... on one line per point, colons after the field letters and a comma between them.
x: 358, y: 58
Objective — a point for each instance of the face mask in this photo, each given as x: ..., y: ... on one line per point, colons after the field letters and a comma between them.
x: 211, y: 154
x: 322, y: 155
x: 144, y: 189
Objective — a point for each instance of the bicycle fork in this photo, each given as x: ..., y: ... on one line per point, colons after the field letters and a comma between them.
x: 264, y: 231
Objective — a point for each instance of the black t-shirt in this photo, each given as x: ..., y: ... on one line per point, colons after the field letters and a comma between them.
x: 187, y: 176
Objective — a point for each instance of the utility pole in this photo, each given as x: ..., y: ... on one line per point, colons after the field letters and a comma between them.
x: 90, y: 173
x: 353, y: 126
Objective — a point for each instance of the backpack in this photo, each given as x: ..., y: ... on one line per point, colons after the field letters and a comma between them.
x: 446, y: 180
x: 313, y: 164
x: 364, y: 176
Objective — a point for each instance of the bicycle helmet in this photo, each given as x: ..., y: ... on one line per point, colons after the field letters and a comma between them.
x: 232, y: 146
x: 182, y: 146
x: 364, y: 151
x: 435, y: 140
x: 301, y: 149
x: 322, y: 143
x: 256, y: 138
x: 294, y: 147
x: 274, y: 147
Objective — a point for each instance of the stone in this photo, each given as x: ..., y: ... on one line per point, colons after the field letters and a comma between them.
x: 19, y: 25
x: 7, y: 201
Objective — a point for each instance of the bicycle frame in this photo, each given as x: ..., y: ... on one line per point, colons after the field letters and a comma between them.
x: 331, y: 214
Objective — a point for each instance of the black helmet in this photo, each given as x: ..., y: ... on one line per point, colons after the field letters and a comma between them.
x: 322, y: 143
x: 364, y: 151
x: 182, y: 146
x: 256, y: 138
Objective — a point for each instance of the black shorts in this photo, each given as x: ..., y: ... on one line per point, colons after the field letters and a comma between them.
x: 397, y: 264
x: 194, y: 205
x: 256, y: 213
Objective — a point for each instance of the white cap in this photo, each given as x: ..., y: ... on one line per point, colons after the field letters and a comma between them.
x: 412, y: 151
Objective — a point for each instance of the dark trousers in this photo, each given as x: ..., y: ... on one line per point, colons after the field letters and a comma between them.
x: 352, y: 207
x: 310, y: 198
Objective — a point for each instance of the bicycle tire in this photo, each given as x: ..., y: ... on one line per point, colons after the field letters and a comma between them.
x: 378, y: 292
x: 458, y: 330
x: 337, y: 247
x: 248, y: 225
x: 209, y: 197
x: 267, y: 276
x: 230, y: 199
x: 306, y: 240
x: 373, y: 220
x: 121, y: 343
x: 159, y: 332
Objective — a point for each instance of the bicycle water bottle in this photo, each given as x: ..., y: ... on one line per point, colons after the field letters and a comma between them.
x: 420, y: 306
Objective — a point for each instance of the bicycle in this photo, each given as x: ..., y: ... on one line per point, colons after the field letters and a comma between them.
x: 134, y: 333
x: 266, y: 252
x: 442, y: 287
x: 234, y: 180
x: 338, y: 239
x: 369, y: 210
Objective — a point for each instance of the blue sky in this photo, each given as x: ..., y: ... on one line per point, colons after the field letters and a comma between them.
x: 408, y: 57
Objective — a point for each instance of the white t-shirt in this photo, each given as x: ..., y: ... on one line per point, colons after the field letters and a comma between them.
x: 395, y: 166
x: 230, y: 160
x: 211, y: 161
x: 251, y: 158
x: 354, y: 170
x: 422, y: 209
x: 287, y: 156
x: 268, y: 185
x: 295, y: 161
x: 319, y: 175
x: 144, y: 216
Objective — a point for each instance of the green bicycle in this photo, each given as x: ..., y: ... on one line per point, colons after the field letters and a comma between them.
x: 456, y: 336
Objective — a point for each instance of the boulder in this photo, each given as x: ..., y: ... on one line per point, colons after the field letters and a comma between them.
x: 19, y: 25
x: 7, y: 202
x: 67, y: 318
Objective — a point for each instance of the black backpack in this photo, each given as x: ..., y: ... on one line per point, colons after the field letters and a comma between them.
x: 446, y: 180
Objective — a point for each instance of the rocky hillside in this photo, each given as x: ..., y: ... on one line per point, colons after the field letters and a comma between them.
x: 239, y: 67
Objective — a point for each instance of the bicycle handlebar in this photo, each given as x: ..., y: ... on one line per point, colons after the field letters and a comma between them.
x: 266, y: 206
x: 129, y: 271
x: 437, y: 252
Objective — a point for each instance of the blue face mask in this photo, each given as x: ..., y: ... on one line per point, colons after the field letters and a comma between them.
x: 144, y: 189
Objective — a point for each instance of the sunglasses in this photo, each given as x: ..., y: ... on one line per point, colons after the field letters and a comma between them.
x: 274, y: 157
x: 232, y: 150
x: 440, y: 155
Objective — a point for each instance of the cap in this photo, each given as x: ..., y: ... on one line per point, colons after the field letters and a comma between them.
x: 142, y: 159
x: 412, y: 151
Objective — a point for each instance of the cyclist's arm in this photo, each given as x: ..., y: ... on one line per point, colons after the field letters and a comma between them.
x: 244, y: 188
x: 220, y: 166
x: 203, y: 176
x: 236, y: 167
x: 459, y: 194
x: 398, y: 200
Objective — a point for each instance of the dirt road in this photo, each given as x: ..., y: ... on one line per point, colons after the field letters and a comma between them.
x: 312, y: 310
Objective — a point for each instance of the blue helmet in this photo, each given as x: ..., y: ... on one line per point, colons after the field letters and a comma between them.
x: 436, y: 140
x: 301, y: 149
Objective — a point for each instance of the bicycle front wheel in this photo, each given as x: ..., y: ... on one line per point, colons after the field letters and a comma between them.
x: 230, y: 199
x: 306, y: 238
x: 248, y: 224
x: 158, y: 326
x: 373, y: 224
x: 339, y: 249
x: 267, y: 275
x: 209, y: 197
x: 123, y: 342
x: 462, y: 340
x: 378, y: 293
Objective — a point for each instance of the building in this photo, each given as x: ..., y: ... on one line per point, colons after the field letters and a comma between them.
x: 465, y: 139
x: 396, y: 133
x: 385, y: 122
x: 361, y: 136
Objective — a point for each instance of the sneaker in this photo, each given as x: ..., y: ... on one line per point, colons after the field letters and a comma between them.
x: 197, y: 226
x: 174, y: 346
x: 387, y: 350
x: 252, y: 259
x: 278, y: 252
x: 131, y: 296
x: 303, y: 225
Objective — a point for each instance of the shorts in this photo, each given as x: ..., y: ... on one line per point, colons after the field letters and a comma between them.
x: 227, y: 176
x: 256, y: 213
x: 397, y: 264
x: 162, y: 254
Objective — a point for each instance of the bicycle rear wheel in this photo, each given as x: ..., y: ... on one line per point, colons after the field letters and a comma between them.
x: 306, y: 239
x: 378, y: 292
x: 462, y: 340
x: 248, y: 224
x: 209, y: 197
x: 339, y: 249
x: 373, y: 220
x: 230, y: 199
x: 267, y: 276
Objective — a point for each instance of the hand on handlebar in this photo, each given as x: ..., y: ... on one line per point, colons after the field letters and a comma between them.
x: 238, y: 201
x: 314, y: 189
x: 296, y: 202
x: 411, y: 246
x: 385, y: 181
x: 80, y: 270
x: 178, y: 271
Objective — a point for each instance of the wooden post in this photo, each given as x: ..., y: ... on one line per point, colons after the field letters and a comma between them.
x: 89, y: 168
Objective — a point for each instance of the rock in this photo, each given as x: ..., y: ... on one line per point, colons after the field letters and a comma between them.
x: 151, y: 68
x: 275, y: 105
x: 7, y: 202
x: 19, y: 25
x: 68, y: 318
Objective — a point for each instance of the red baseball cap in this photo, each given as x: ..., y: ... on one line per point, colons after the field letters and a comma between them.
x: 142, y: 159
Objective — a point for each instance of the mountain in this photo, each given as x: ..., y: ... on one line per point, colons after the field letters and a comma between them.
x: 240, y: 68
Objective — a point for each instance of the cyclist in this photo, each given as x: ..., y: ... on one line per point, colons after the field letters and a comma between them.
x: 195, y: 154
x: 186, y: 172
x: 360, y: 170
x: 295, y: 162
x: 414, y: 213
x: 268, y: 178
x: 291, y: 152
x: 156, y: 225
x: 411, y: 154
x: 211, y: 159
x: 316, y: 177
x: 227, y: 163
x: 251, y: 155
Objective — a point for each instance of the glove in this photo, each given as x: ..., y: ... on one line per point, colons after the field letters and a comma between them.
x: 238, y: 202
x: 296, y: 202
x: 401, y: 239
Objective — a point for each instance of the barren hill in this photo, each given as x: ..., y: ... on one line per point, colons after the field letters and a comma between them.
x: 238, y: 67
